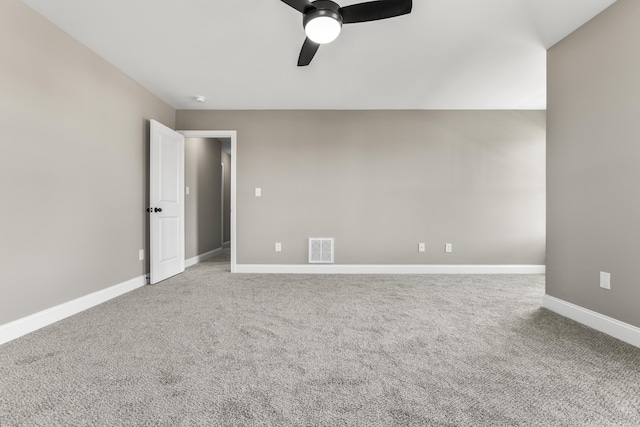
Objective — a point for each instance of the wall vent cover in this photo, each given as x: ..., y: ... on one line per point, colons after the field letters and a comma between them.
x: 320, y: 250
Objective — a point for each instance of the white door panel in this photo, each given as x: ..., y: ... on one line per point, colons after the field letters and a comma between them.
x: 169, y: 170
x: 166, y: 199
x: 169, y: 229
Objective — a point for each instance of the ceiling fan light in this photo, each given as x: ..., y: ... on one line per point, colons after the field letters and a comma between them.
x: 323, y: 29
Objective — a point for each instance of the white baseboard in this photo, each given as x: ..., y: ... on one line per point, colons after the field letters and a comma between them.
x: 608, y: 325
x: 203, y: 257
x: 20, y: 327
x: 389, y: 269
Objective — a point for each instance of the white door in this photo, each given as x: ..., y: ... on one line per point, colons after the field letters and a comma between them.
x: 166, y: 202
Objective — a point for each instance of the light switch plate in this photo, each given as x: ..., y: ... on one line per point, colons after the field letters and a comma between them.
x: 258, y: 192
x: 605, y: 280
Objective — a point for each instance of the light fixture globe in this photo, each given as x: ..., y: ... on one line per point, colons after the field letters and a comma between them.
x: 323, y: 25
x: 323, y: 29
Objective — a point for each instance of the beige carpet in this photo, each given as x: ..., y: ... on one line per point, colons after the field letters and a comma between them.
x: 211, y: 348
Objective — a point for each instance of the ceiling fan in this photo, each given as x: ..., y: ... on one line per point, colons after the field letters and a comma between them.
x: 322, y: 19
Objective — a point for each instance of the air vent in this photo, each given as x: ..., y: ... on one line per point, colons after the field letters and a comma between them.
x: 320, y: 250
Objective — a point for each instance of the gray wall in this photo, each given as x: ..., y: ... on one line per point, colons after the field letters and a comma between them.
x: 382, y: 181
x: 226, y: 159
x: 73, y: 167
x: 593, y: 164
x: 202, y: 205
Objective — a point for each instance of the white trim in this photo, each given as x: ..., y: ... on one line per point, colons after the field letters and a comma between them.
x: 608, y: 325
x: 20, y: 327
x: 202, y: 257
x: 222, y: 208
x: 389, y: 269
x: 233, y: 135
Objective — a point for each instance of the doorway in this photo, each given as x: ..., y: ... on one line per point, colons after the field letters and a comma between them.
x: 230, y: 136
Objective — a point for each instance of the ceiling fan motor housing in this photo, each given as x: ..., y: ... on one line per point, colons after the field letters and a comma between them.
x: 323, y: 8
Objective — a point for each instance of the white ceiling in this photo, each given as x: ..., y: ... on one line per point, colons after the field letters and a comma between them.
x: 242, y: 54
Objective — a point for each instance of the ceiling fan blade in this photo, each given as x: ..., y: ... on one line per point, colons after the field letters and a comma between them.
x: 374, y: 10
x: 307, y: 53
x: 301, y: 6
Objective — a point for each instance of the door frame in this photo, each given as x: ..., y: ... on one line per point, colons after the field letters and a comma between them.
x: 232, y: 134
x: 222, y: 207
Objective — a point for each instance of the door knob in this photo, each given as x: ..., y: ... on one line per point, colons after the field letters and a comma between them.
x: 157, y: 209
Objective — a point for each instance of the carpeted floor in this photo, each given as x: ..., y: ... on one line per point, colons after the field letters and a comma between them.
x: 211, y: 348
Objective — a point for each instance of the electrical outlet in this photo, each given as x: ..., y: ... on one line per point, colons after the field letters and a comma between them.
x: 605, y: 280
x: 141, y: 255
x: 448, y: 248
x: 422, y: 247
x: 278, y: 247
